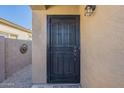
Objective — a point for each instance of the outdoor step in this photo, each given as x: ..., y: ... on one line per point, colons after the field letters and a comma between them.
x: 56, y: 86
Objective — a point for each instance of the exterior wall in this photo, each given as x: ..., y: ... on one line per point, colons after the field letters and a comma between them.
x: 82, y: 49
x: 14, y: 59
x: 39, y: 47
x: 2, y: 59
x: 102, y: 43
x: 10, y: 30
x: 63, y: 10
x: 11, y: 59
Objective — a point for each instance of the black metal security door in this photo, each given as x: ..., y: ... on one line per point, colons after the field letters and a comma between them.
x: 63, y: 51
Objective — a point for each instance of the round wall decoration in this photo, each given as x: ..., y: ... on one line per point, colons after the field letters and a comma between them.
x: 23, y: 48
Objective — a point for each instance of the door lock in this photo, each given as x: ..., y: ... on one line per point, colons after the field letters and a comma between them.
x: 74, y: 50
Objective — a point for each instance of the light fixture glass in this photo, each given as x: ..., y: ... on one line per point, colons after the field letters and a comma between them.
x: 89, y: 9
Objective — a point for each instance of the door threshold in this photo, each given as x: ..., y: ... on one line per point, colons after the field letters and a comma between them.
x: 75, y: 85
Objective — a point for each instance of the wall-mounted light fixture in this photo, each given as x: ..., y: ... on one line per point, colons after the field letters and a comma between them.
x: 89, y: 10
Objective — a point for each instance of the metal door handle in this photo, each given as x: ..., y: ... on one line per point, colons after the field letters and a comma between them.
x: 74, y: 50
x: 75, y: 54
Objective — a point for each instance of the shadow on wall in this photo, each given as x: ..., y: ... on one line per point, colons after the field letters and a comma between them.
x: 14, y: 55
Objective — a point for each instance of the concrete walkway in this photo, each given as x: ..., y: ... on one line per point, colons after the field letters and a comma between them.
x: 20, y: 79
x: 23, y: 79
x: 56, y: 86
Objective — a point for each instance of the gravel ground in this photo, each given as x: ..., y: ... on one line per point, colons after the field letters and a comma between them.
x: 20, y: 79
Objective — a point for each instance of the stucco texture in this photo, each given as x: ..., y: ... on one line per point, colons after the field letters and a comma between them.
x: 11, y: 30
x: 102, y: 43
x: 14, y: 59
x: 2, y: 59
x: 102, y: 47
x: 39, y: 43
x: 39, y: 46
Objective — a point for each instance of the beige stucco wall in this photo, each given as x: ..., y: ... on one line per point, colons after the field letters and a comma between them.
x: 14, y: 59
x: 39, y: 43
x: 102, y: 42
x: 39, y: 46
x: 2, y: 59
x: 11, y: 59
x: 63, y: 10
x: 22, y: 35
x: 82, y: 49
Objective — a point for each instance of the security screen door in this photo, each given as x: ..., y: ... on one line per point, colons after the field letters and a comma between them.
x: 63, y: 49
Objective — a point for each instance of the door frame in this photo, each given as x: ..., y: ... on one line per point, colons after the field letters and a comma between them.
x: 48, y: 32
